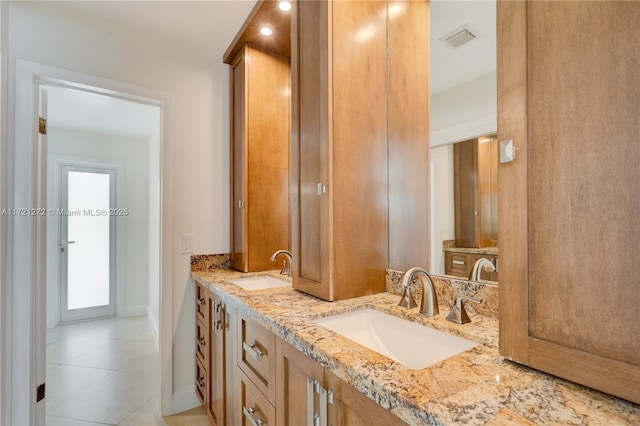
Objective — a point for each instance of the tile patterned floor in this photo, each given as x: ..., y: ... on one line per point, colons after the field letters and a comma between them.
x: 105, y: 372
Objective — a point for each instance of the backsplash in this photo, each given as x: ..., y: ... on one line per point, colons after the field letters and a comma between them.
x: 209, y: 262
x: 447, y: 289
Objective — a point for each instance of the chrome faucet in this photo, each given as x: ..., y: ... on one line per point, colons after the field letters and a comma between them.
x: 481, y: 263
x: 286, y: 267
x: 429, y: 304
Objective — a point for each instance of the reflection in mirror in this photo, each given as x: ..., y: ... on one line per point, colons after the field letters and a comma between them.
x: 463, y: 126
x: 464, y: 193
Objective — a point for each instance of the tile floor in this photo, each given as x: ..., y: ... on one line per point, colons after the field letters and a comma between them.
x: 105, y: 372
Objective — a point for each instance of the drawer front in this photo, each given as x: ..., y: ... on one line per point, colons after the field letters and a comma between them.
x: 256, y: 355
x: 256, y: 409
x: 201, y: 381
x: 202, y: 342
x: 202, y: 303
x: 457, y: 264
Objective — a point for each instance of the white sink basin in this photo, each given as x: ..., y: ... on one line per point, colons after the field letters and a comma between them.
x: 411, y: 344
x: 261, y: 282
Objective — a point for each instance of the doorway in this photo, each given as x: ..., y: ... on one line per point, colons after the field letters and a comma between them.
x: 26, y: 354
x: 87, y: 245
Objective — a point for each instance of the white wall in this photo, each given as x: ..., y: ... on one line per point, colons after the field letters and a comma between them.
x: 443, y: 208
x: 465, y: 111
x: 47, y: 33
x: 133, y: 154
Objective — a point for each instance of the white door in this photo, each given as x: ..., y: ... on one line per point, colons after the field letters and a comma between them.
x: 87, y: 242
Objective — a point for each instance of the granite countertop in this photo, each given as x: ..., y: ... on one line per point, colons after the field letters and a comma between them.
x: 476, y: 387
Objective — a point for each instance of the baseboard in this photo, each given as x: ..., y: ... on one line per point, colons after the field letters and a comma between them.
x: 153, y: 324
x: 133, y: 311
x: 468, y: 130
x: 185, y: 400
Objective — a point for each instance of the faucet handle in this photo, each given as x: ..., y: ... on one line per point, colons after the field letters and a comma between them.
x: 407, y: 300
x: 458, y: 314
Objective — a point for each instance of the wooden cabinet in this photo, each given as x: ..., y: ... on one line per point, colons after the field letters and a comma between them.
x: 256, y: 355
x: 460, y: 264
x: 569, y: 98
x: 347, y: 125
x: 216, y: 376
x: 476, y: 192
x: 256, y: 409
x: 307, y: 393
x: 260, y: 110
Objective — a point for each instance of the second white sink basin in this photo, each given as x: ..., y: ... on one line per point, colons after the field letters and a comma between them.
x: 411, y: 344
x: 261, y: 282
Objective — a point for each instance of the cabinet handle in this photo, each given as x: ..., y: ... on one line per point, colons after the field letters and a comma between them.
x: 240, y: 204
x: 252, y: 350
x: 458, y: 262
x: 200, y: 383
x: 322, y: 189
x: 323, y: 406
x: 310, y: 408
x: 219, y: 316
x: 248, y: 413
x: 200, y: 301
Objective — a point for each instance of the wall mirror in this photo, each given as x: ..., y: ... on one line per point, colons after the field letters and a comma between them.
x: 463, y: 142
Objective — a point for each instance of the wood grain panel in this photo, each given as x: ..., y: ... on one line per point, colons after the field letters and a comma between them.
x: 408, y: 135
x: 238, y: 256
x: 512, y: 186
x: 466, y: 193
x: 268, y: 109
x: 310, y: 111
x: 292, y: 370
x: 358, y: 182
x: 352, y: 408
x: 584, y: 104
x: 568, y: 293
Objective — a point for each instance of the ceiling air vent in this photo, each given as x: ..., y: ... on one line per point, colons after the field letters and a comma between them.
x: 460, y: 36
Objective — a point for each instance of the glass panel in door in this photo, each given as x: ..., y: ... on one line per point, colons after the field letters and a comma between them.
x: 86, y: 245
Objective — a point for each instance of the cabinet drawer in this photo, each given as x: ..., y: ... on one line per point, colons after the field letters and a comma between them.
x: 201, y: 381
x: 256, y: 355
x: 202, y: 342
x: 202, y: 303
x: 256, y: 409
x: 457, y: 264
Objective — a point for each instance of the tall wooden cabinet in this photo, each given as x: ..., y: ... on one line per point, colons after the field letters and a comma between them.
x: 347, y: 126
x: 569, y: 97
x: 476, y: 192
x: 260, y: 109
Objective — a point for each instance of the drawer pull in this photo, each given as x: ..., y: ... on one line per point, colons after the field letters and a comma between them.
x: 252, y: 350
x: 248, y: 413
x: 200, y: 383
x: 200, y: 301
x: 458, y: 262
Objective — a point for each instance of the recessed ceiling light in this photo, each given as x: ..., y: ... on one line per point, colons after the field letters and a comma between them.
x: 285, y: 6
x: 266, y: 31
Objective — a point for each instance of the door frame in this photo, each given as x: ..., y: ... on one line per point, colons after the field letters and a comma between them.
x: 25, y: 305
x: 55, y: 162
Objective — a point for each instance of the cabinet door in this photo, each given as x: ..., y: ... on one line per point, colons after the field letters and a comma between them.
x: 569, y: 97
x: 238, y: 163
x: 350, y: 407
x: 310, y: 147
x: 297, y: 375
x: 467, y: 216
x: 216, y: 365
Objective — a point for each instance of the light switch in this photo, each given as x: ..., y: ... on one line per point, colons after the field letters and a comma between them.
x: 186, y: 243
x: 507, y: 151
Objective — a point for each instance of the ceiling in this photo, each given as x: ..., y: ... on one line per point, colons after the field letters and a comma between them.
x: 90, y: 112
x: 451, y: 67
x: 210, y: 26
